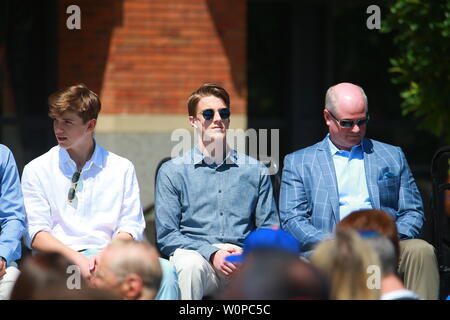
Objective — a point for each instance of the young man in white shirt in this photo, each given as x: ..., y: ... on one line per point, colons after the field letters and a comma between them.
x: 79, y: 196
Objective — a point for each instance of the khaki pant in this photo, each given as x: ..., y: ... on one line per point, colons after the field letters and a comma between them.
x: 7, y: 282
x: 418, y: 268
x: 196, y: 276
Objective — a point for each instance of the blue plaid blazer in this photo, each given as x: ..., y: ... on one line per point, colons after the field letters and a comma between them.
x: 309, y: 200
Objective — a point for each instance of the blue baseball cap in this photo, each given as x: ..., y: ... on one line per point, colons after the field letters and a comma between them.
x: 367, y: 234
x: 265, y: 238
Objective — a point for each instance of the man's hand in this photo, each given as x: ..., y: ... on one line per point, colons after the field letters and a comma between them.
x: 219, y: 263
x: 93, y: 263
x: 82, y: 262
x: 2, y: 267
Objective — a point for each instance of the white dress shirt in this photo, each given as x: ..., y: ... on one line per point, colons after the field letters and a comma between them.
x: 106, y: 201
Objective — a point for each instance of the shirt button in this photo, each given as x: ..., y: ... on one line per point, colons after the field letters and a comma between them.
x: 220, y: 191
x: 221, y: 213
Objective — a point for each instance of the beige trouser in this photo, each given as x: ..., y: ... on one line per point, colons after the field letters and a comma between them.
x: 418, y: 268
x: 7, y: 282
x: 196, y: 276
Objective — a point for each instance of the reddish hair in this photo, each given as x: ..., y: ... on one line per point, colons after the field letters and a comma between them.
x: 374, y: 220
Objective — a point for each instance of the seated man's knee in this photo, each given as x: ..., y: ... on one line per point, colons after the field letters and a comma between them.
x: 7, y: 282
x: 417, y: 248
x: 189, y: 261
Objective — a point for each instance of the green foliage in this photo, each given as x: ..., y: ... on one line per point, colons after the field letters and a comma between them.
x: 421, y: 30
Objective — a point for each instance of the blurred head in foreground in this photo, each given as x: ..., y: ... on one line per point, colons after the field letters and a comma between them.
x: 348, y: 261
x: 129, y: 268
x: 272, y: 269
x: 50, y: 276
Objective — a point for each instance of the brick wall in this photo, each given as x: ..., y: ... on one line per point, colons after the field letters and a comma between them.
x: 147, y: 56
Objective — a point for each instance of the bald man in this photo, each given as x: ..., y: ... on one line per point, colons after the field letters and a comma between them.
x: 346, y: 172
x: 130, y: 269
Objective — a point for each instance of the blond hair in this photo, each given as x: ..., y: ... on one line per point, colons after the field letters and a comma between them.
x: 77, y: 98
x: 346, y: 261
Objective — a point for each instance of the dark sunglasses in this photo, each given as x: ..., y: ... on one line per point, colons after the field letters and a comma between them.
x: 208, y: 114
x: 73, y: 187
x: 351, y: 123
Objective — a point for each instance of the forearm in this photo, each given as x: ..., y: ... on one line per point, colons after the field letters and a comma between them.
x: 169, y: 236
x: 266, y: 210
x: 10, y: 240
x: 307, y: 234
x: 410, y: 215
x: 45, y: 242
x: 169, y: 240
x: 409, y: 225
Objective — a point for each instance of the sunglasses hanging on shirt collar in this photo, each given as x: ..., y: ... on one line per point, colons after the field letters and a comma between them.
x: 73, y: 187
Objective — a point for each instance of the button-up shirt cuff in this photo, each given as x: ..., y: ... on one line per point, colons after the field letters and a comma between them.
x: 6, y: 254
x: 207, y: 250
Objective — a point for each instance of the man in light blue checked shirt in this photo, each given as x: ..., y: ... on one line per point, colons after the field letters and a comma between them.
x: 346, y: 172
x: 12, y: 222
x: 209, y: 199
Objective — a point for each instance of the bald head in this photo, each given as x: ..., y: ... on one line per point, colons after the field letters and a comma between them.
x: 345, y: 101
x: 133, y: 263
x: 138, y: 257
x: 345, y: 96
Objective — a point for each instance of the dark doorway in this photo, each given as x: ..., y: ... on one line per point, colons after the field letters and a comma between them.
x: 28, y: 61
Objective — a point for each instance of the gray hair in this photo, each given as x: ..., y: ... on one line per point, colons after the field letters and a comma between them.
x: 386, y: 253
x: 139, y: 258
x: 331, y: 99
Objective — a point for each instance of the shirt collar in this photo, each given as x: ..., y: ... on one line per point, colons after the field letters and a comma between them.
x: 64, y: 156
x: 198, y: 156
x: 355, y: 152
x: 96, y: 158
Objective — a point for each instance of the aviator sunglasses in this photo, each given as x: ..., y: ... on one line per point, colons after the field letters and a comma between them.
x: 73, y: 187
x: 350, y: 123
x: 208, y: 114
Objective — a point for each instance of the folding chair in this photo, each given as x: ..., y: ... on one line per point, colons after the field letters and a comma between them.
x: 441, y: 216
